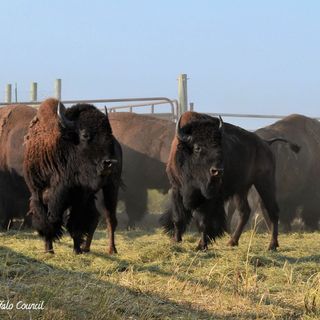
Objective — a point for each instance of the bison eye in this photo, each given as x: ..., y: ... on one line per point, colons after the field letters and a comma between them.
x: 85, y: 136
x: 196, y: 148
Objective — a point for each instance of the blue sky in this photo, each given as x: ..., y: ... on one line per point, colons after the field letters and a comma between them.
x: 240, y: 56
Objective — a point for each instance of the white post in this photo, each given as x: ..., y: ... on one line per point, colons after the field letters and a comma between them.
x: 182, y: 94
x: 57, y: 89
x: 16, y: 92
x: 8, y: 94
x: 33, y: 92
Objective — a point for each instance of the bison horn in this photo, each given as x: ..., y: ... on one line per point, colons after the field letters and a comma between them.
x: 180, y: 134
x: 220, y: 123
x: 107, y: 116
x: 66, y: 123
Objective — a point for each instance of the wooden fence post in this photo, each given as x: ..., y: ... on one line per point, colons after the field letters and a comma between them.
x: 182, y: 94
x: 8, y: 93
x: 57, y: 89
x: 33, y: 92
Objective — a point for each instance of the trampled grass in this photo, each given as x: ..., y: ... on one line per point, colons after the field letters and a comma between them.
x: 152, y: 278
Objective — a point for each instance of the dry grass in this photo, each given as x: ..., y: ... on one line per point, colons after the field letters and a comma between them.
x: 151, y: 278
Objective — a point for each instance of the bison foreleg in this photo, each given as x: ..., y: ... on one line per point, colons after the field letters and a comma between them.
x: 92, y: 228
x: 48, y: 246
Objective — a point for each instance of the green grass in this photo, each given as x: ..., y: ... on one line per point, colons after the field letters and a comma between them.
x: 152, y: 278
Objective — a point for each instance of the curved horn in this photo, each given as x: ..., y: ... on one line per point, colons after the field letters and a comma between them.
x: 107, y: 116
x: 181, y: 135
x: 220, y: 123
x: 66, y: 123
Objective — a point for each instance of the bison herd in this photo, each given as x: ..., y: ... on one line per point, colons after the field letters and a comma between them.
x: 63, y: 168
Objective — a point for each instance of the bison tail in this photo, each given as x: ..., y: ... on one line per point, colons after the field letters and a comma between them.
x: 166, y: 221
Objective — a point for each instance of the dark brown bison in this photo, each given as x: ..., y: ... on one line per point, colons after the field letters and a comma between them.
x: 70, y: 155
x: 210, y: 162
x: 145, y: 141
x: 296, y: 174
x: 14, y: 193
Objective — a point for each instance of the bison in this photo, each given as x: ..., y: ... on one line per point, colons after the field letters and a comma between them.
x: 70, y: 155
x: 145, y: 142
x: 295, y: 173
x: 210, y: 162
x: 14, y: 193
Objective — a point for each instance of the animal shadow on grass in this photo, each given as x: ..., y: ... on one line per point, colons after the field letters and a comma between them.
x: 283, y: 258
x: 124, y: 265
x: 25, y: 234
x: 152, y: 301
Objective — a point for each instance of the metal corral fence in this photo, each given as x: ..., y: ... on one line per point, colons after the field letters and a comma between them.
x: 161, y: 107
x: 146, y: 106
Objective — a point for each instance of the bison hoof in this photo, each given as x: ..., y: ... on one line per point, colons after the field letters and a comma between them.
x: 85, y: 250
x: 202, y: 247
x: 177, y: 238
x: 77, y: 251
x: 131, y: 226
x: 273, y: 246
x: 112, y: 250
x: 233, y: 243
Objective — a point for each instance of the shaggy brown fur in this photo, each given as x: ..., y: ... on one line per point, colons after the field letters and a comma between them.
x: 209, y: 163
x: 65, y: 165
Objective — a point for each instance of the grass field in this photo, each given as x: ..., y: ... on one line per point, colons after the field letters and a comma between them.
x: 151, y: 278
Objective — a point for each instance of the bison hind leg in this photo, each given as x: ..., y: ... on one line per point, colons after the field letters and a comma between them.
x: 244, y: 213
x: 136, y: 205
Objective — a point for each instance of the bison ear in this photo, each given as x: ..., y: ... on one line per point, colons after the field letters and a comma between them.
x: 63, y: 120
x: 181, y: 135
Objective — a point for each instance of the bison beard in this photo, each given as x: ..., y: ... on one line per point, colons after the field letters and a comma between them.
x: 209, y: 163
x: 69, y: 155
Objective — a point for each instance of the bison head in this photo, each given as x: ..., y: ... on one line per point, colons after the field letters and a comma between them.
x: 200, y: 157
x: 89, y: 130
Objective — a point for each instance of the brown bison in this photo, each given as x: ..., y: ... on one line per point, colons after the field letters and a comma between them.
x: 296, y: 182
x: 145, y: 142
x: 14, y: 193
x: 210, y: 162
x: 70, y: 155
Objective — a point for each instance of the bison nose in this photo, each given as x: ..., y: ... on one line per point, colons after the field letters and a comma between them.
x: 107, y: 163
x: 216, y: 172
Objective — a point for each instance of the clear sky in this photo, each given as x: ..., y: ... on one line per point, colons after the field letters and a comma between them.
x: 241, y: 56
